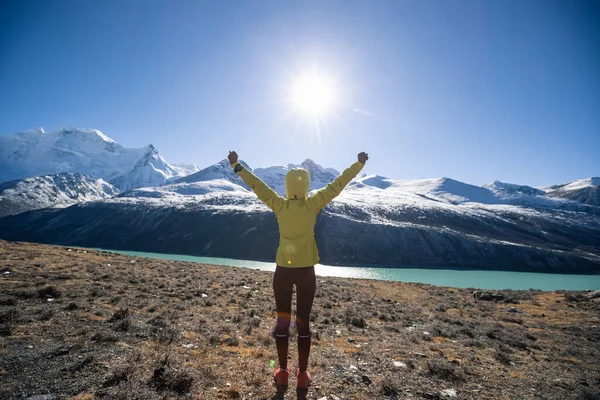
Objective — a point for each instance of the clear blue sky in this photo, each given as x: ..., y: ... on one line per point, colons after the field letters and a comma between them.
x: 473, y: 90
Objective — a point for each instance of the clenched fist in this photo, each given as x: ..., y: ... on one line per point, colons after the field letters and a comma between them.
x: 232, y: 157
x: 363, y: 157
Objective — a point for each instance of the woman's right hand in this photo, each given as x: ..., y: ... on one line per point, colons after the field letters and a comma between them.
x: 363, y: 157
x: 232, y: 157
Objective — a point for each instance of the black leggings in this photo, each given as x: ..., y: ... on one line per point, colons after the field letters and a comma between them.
x: 306, y: 285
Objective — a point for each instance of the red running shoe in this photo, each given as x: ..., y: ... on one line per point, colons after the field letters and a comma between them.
x: 281, y: 377
x: 303, y: 384
x: 303, y: 379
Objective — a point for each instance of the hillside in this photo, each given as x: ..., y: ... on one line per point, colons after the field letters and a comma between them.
x: 84, y: 324
x: 60, y: 190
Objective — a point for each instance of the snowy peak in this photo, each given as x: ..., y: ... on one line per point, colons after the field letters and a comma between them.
x: 583, y: 190
x: 512, y: 189
x: 582, y: 183
x: 377, y: 181
x: 220, y: 170
x: 317, y: 173
x: 275, y: 176
x: 185, y: 169
x: 446, y: 190
x: 58, y: 190
x: 86, y: 151
x: 74, y: 135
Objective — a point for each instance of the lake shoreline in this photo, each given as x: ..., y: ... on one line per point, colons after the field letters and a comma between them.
x: 434, y: 276
x: 558, y: 271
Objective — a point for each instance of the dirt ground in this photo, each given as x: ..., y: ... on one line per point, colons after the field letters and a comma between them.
x: 82, y: 324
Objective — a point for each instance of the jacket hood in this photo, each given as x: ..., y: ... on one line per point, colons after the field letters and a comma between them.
x: 297, y: 182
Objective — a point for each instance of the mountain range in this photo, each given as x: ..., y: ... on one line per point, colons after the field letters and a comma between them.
x: 86, y: 151
x: 147, y: 204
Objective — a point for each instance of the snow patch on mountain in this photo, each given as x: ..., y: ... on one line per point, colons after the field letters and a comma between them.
x: 185, y: 169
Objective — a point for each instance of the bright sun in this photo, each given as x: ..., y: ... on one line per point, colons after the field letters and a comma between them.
x: 312, y: 94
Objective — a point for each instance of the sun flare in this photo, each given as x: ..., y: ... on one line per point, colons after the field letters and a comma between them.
x: 312, y: 94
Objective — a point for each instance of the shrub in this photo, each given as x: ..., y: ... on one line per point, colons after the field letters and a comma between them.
x: 502, y: 356
x: 444, y: 370
x: 589, y: 394
x: 167, y: 377
x: 49, y: 291
x: 105, y: 336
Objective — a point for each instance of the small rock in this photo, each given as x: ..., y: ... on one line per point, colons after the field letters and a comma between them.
x: 50, y: 299
x: 420, y: 355
x: 514, y: 310
x: 85, y: 252
x: 338, y: 332
x: 187, y: 346
x: 353, y: 368
x: 204, y: 295
x: 245, y: 287
x: 426, y: 333
x: 398, y: 364
x: 482, y: 295
x: 6, y: 272
x: 594, y: 295
x: 228, y: 384
x: 448, y: 393
x: 69, y: 250
x: 366, y: 380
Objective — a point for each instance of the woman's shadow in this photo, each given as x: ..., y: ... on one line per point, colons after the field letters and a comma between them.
x: 280, y: 394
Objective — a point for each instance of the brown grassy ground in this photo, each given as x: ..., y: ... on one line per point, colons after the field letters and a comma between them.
x: 85, y: 325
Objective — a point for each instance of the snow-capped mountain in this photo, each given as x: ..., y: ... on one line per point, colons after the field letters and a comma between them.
x: 185, y: 169
x: 85, y: 151
x: 58, y: 190
x: 376, y: 221
x: 583, y: 190
x: 150, y: 170
x: 275, y: 176
x: 509, y: 189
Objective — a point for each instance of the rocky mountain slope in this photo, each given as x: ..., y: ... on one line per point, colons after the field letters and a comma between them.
x: 60, y: 190
x: 583, y: 190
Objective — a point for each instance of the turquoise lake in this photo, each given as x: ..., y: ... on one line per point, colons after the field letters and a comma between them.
x: 440, y: 277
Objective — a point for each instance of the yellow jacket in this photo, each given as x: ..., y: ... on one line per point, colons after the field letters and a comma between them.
x: 297, y: 214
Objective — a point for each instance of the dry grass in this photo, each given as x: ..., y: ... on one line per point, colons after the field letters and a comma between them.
x: 101, y: 325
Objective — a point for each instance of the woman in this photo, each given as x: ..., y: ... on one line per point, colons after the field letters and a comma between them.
x: 296, y: 256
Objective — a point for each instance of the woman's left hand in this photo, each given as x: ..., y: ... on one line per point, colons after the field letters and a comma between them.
x: 232, y: 157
